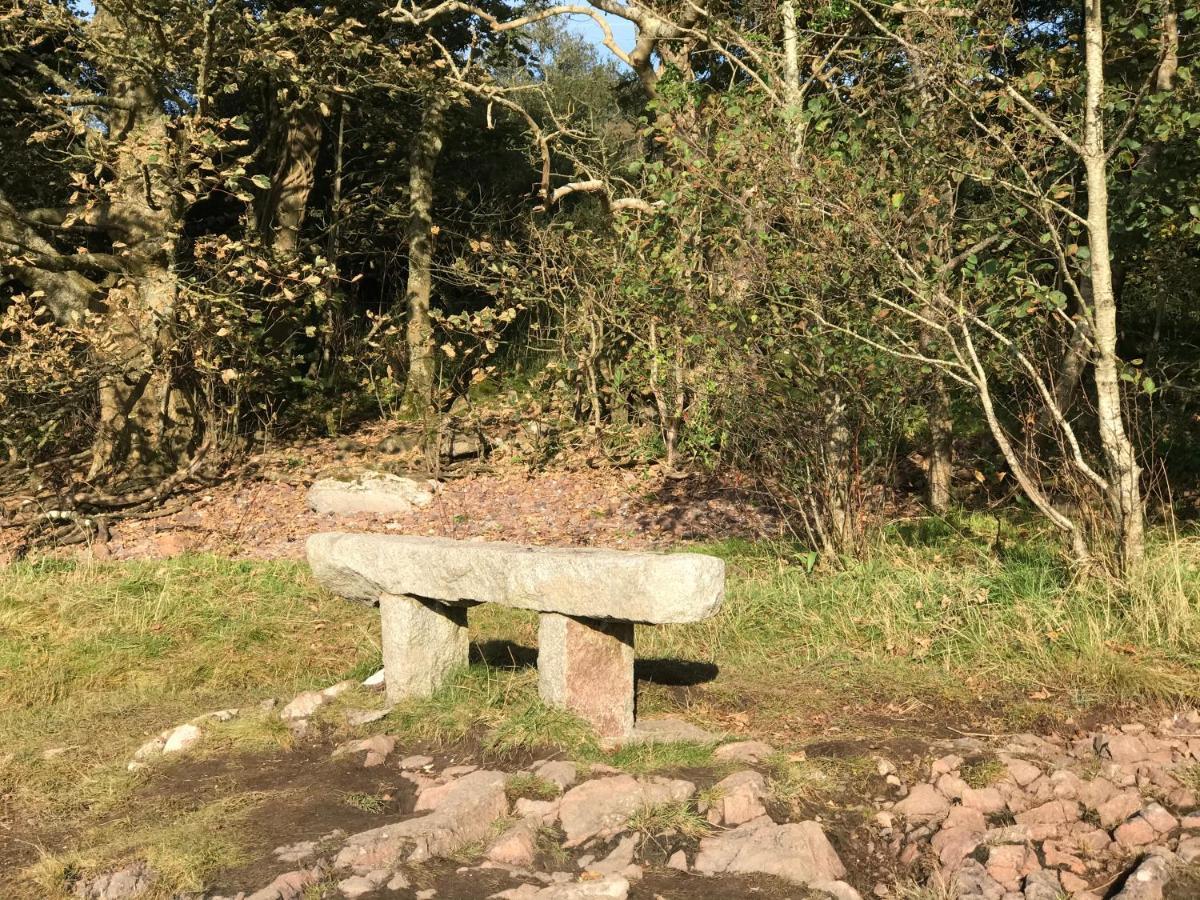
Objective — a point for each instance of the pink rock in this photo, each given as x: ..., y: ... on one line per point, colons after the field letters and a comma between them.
x: 1117, y: 809
x: 1010, y: 863
x: 1160, y: 820
x: 924, y: 803
x: 1022, y: 773
x: 744, y: 752
x: 951, y: 785
x: 739, y: 799
x: 1121, y: 748
x: 1137, y: 832
x: 945, y: 765
x: 1058, y: 858
x: 515, y: 847
x: 1055, y: 812
x: 965, y: 817
x: 953, y: 845
x: 987, y: 800
x: 1072, y: 883
x: 1095, y: 792
x: 1066, y: 785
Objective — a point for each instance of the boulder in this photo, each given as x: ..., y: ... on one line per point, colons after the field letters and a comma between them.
x: 798, y: 852
x: 464, y: 816
x: 602, y: 806
x: 371, y: 492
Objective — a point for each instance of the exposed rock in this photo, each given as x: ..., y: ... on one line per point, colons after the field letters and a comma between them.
x: 738, y: 799
x: 559, y: 772
x: 601, y: 807
x: 371, y: 492
x: 515, y: 847
x: 465, y: 815
x: 1148, y: 879
x: 1056, y: 812
x: 924, y: 803
x: 303, y: 705
x: 1008, y: 864
x: 181, y: 738
x: 798, y: 852
x: 678, y: 860
x: 1118, y: 808
x: 671, y: 730
x: 376, y: 680
x: 1137, y: 832
x: 543, y: 811
x: 298, y: 852
x: 1042, y: 885
x: 750, y: 752
x: 613, y: 888
x: 289, y: 885
x: 838, y: 890
x: 356, y: 718
x: 619, y: 858
x: 376, y: 748
x: 416, y: 762
x: 986, y: 800
x: 128, y: 882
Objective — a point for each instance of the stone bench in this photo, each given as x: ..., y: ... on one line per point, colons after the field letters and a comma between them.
x: 589, y: 601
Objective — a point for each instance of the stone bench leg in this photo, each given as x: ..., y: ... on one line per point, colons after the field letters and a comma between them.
x: 586, y: 666
x: 423, y: 642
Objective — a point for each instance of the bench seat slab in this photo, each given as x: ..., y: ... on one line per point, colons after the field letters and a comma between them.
x: 585, y: 666
x: 423, y: 643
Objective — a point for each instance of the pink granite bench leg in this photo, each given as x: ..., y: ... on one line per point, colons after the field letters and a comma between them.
x: 585, y: 666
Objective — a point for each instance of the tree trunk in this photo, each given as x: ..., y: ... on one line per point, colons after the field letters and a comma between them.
x: 138, y: 428
x: 1124, y: 472
x: 293, y: 181
x: 418, y: 388
x: 940, y: 467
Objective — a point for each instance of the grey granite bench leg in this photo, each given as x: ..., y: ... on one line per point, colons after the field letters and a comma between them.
x: 586, y: 666
x: 423, y: 642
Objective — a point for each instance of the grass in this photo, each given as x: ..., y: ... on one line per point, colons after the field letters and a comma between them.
x: 94, y: 659
x: 525, y: 785
x: 677, y: 817
x: 933, y: 624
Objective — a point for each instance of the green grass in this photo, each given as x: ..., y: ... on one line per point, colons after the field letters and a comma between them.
x: 95, y: 659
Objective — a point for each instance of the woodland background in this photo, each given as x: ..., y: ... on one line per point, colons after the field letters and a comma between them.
x: 867, y: 253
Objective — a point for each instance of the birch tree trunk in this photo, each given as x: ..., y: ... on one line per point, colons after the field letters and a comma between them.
x: 418, y: 388
x: 1121, y: 460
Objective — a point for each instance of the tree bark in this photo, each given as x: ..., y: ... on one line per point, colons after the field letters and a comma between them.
x: 140, y: 423
x: 1124, y: 473
x: 419, y: 385
x: 295, y: 174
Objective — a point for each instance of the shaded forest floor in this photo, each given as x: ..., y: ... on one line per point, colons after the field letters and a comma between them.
x: 939, y: 634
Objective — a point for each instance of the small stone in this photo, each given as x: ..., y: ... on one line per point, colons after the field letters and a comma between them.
x: 375, y: 681
x: 1188, y: 850
x: 1042, y: 885
x: 1072, y: 883
x: 1118, y: 808
x: 945, y: 765
x: 181, y: 739
x: 559, y: 772
x: 303, y: 705
x: 986, y: 800
x: 739, y: 798
x: 427, y: 894
x: 678, y: 860
x: 398, y: 882
x: 619, y: 859
x: 1121, y: 748
x: 542, y: 811
x: 1056, y: 812
x: 356, y: 718
x: 515, y: 847
x: 1137, y: 832
x: 1022, y: 773
x: 749, y: 752
x: 1160, y: 820
x: 951, y: 786
x: 923, y: 804
x: 797, y: 852
x: 416, y: 762
x: 355, y: 886
x: 1008, y: 864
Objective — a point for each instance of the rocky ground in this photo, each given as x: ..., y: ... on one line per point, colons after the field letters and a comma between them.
x: 1106, y: 813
